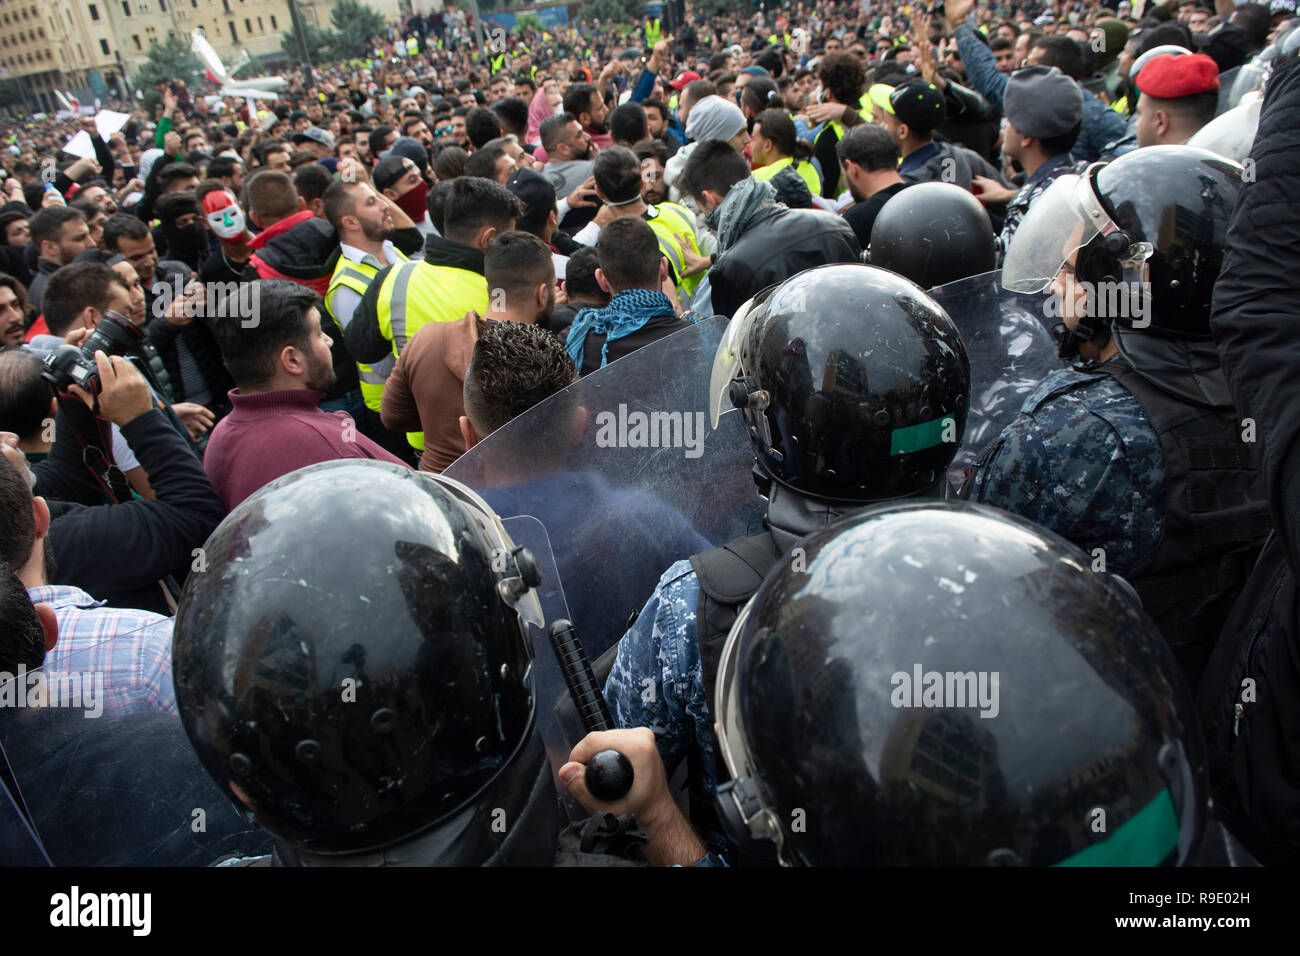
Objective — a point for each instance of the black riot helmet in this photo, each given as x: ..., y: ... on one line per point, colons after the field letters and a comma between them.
x: 352, y: 663
x: 933, y: 233
x: 1149, y: 229
x: 855, y: 384
x: 941, y: 683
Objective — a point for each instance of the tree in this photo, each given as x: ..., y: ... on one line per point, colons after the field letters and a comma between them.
x: 355, y: 23
x: 170, y: 60
x: 11, y: 93
x: 613, y: 11
x: 253, y: 67
x: 319, y: 42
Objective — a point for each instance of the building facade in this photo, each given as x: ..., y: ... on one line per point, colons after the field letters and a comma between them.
x: 89, y: 45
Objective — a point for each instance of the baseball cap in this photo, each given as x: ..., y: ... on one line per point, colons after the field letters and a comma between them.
x: 535, y: 193
x: 316, y: 135
x: 687, y: 76
x: 388, y: 171
x: 918, y: 104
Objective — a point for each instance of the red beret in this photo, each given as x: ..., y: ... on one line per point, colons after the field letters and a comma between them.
x: 1172, y: 75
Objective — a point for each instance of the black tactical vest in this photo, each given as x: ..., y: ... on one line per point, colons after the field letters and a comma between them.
x: 728, y: 577
x: 1215, y: 521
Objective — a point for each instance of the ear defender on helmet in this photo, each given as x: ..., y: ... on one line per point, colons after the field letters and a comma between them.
x: 1111, y: 269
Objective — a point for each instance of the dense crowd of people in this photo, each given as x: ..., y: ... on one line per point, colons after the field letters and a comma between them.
x: 377, y: 270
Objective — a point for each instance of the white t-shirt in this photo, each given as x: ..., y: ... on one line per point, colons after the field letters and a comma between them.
x: 122, y: 453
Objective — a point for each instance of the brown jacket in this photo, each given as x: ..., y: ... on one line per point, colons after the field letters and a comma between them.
x: 425, y: 391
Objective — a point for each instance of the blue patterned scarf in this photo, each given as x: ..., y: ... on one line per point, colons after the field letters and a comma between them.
x: 628, y: 311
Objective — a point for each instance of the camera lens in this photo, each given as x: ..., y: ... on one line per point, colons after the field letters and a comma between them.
x: 115, y: 335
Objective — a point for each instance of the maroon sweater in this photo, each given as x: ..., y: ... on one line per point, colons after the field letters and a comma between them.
x: 270, y: 434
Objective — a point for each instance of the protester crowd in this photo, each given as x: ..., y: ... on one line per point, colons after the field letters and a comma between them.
x: 394, y: 260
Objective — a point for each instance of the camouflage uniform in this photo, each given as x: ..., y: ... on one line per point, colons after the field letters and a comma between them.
x: 1044, y: 176
x: 1080, y: 459
x: 658, y: 681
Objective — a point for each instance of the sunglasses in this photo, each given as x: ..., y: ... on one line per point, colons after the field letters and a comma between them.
x: 443, y: 129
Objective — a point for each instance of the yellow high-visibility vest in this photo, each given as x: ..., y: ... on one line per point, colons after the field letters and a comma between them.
x: 807, y: 172
x: 417, y: 293
x: 669, y: 220
x: 357, y: 277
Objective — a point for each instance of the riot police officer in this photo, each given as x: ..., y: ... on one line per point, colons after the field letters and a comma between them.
x: 855, y: 387
x: 353, y: 667
x: 877, y: 704
x: 1136, y: 454
x: 933, y: 233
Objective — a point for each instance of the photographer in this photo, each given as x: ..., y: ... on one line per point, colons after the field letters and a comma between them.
x: 79, y: 297
x: 119, y: 552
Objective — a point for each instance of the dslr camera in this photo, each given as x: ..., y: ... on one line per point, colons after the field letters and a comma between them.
x: 75, y: 364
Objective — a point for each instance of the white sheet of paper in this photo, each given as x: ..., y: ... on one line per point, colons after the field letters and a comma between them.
x: 107, y: 122
x: 80, y: 145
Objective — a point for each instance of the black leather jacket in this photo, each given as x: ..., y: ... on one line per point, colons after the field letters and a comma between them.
x: 778, y: 244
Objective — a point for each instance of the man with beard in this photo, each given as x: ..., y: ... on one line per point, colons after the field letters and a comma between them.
x: 425, y: 390
x: 652, y: 154
x: 568, y: 149
x: 584, y: 102
x: 60, y: 234
x: 281, y: 367
x: 13, y: 311
x: 365, y: 223
x: 868, y: 158
x: 97, y: 192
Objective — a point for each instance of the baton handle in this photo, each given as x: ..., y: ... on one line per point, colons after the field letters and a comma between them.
x: 579, y: 678
x: 609, y: 773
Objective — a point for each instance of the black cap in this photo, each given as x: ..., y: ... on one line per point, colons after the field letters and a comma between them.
x: 388, y: 171
x: 918, y: 104
x: 535, y: 193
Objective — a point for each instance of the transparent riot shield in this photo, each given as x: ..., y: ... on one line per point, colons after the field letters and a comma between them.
x: 1231, y: 134
x: 624, y: 473
x: 1227, y: 80
x: 558, y: 726
x: 19, y: 845
x: 1010, y: 351
x: 104, y: 769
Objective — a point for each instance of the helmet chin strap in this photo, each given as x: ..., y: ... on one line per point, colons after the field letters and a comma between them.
x: 1092, y: 330
x: 791, y: 516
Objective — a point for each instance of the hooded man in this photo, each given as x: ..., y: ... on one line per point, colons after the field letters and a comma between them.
x: 182, y: 227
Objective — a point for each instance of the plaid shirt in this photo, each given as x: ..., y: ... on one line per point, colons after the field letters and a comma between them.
x: 131, y: 648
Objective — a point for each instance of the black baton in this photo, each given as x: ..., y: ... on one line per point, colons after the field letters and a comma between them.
x: 609, y: 773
